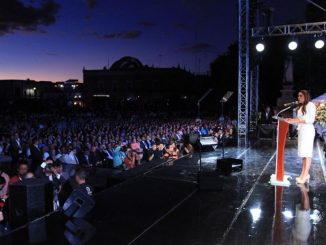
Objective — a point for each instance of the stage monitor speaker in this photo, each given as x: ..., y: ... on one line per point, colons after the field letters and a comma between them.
x: 78, y: 204
x: 210, y: 181
x: 79, y: 231
x: 29, y: 200
x: 228, y: 165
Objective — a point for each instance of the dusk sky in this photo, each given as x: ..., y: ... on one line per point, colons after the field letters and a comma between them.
x: 55, y: 42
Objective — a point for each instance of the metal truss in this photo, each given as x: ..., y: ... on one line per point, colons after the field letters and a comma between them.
x: 243, y: 69
x: 254, y: 96
x: 293, y: 29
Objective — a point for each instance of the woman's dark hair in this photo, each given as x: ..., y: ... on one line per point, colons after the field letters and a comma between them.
x: 305, y: 102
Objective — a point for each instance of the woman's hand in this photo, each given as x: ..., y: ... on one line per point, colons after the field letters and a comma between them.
x: 290, y: 120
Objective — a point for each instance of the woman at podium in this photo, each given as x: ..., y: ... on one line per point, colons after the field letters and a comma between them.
x: 306, y: 112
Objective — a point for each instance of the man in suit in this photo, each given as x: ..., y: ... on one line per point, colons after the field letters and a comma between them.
x: 265, y: 128
x: 36, y: 155
x: 15, y: 151
x: 266, y: 116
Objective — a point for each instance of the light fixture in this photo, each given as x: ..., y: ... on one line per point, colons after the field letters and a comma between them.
x: 293, y: 45
x: 260, y: 47
x: 319, y: 44
x: 255, y: 213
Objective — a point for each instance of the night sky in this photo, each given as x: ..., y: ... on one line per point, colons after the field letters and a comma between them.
x: 54, y: 40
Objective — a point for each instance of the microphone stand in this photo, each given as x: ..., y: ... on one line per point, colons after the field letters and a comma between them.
x: 287, y: 108
x: 224, y: 99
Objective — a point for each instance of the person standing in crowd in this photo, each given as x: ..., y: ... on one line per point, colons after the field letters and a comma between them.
x: 36, y: 155
x: 81, y: 180
x: 306, y: 113
x: 16, y: 151
x: 70, y: 161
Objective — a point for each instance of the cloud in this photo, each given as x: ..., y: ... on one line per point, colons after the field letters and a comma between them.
x: 131, y: 34
x: 196, y: 47
x: 91, y: 3
x: 145, y: 23
x: 15, y: 16
x: 123, y: 35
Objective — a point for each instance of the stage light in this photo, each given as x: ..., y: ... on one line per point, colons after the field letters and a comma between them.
x: 319, y: 44
x: 293, y: 45
x: 255, y: 213
x: 288, y: 214
x: 260, y: 47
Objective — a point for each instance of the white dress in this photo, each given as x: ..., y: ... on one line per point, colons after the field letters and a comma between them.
x: 306, y: 130
x: 302, y: 226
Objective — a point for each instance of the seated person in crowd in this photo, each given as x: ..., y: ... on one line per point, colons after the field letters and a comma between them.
x: 21, y: 173
x: 171, y: 152
x: 187, y: 148
x: 135, y: 146
x: 95, y: 157
x: 218, y: 135
x: 3, y: 206
x: 2, y: 225
x: 156, y: 152
x: 84, y: 157
x: 129, y: 160
x: 203, y: 130
x: 4, y: 185
x: 118, y: 156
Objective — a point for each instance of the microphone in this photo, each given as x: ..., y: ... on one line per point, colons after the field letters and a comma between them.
x: 292, y: 103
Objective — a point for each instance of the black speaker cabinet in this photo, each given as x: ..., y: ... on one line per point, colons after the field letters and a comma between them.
x: 29, y: 200
x: 78, y: 204
x: 227, y: 165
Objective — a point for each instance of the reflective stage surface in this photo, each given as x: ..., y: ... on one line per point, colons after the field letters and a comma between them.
x: 165, y: 206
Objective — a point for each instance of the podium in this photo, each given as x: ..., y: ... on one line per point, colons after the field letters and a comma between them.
x: 279, y: 179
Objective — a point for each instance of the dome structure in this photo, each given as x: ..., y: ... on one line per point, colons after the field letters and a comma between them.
x: 126, y: 63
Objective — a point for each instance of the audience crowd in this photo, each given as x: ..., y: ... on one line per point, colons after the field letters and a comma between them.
x: 60, y: 147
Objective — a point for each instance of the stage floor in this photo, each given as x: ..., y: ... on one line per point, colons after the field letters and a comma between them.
x: 165, y: 206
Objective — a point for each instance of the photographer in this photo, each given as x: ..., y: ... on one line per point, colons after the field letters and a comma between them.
x: 53, y: 172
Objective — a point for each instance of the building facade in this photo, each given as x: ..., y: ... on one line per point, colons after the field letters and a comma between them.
x: 129, y: 80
